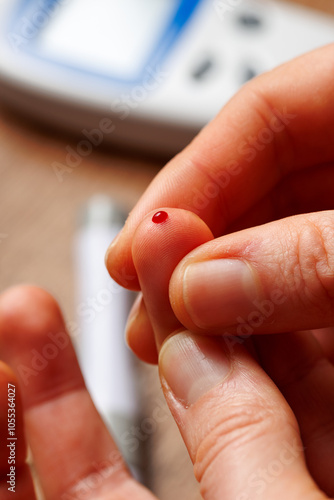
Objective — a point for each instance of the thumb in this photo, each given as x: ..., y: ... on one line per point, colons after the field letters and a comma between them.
x: 240, y: 432
x: 274, y: 278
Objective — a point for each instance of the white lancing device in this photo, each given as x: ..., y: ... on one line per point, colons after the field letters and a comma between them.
x: 103, y: 306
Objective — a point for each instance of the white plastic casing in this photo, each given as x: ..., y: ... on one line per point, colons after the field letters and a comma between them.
x: 215, y: 54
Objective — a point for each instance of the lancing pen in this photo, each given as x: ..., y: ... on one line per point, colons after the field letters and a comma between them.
x: 108, y: 366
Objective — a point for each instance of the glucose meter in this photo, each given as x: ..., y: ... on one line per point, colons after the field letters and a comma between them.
x: 155, y: 71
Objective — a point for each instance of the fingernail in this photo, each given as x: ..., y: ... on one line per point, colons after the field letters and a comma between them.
x: 192, y: 365
x: 217, y: 292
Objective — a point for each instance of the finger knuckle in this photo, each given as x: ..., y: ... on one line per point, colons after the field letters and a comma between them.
x: 315, y: 264
x: 234, y: 429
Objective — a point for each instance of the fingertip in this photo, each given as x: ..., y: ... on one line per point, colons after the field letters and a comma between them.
x: 163, y: 238
x: 139, y: 334
x: 27, y: 309
x: 119, y: 263
x: 162, y: 232
x: 184, y: 366
x: 35, y: 343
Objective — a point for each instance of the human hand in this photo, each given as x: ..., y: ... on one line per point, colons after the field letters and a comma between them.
x: 268, y: 155
x: 240, y: 432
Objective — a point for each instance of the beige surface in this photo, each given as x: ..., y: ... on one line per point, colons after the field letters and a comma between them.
x: 37, y: 221
x: 323, y: 5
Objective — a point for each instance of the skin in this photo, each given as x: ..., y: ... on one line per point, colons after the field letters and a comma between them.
x: 244, y: 415
x: 261, y: 425
x: 280, y: 201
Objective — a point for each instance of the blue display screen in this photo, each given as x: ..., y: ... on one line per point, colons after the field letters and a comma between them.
x: 111, y: 38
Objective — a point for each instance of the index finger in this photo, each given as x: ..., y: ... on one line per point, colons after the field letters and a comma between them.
x: 280, y: 122
x: 74, y: 454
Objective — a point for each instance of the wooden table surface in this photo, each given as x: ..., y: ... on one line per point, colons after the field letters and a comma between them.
x: 37, y: 222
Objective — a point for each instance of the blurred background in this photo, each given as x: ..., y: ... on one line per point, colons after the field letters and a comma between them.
x: 72, y: 127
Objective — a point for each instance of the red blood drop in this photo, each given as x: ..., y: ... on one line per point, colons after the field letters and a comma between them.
x: 160, y: 217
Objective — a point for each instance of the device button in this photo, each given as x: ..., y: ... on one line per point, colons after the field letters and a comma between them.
x: 248, y: 72
x: 249, y: 20
x: 203, y: 69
